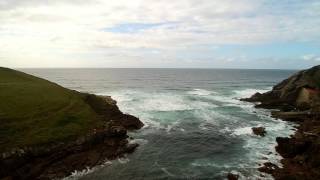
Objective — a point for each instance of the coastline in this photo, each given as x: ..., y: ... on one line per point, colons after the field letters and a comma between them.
x: 297, y: 151
x: 296, y: 99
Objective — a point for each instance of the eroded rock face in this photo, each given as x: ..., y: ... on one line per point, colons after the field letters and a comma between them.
x: 107, y: 107
x: 291, y: 147
x: 284, y: 95
x: 131, y: 123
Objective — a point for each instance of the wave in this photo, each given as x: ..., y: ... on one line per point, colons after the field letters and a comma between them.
x: 123, y: 160
x: 201, y: 92
x: 78, y: 174
x: 242, y: 131
x: 246, y: 93
x: 165, y: 111
x: 138, y: 141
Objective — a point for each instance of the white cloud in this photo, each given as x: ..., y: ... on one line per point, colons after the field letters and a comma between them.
x: 311, y: 57
x: 44, y: 30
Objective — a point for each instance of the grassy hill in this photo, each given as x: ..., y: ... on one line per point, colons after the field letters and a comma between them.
x: 35, y: 111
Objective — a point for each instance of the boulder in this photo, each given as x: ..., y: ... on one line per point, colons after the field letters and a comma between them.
x: 259, y: 131
x: 232, y: 176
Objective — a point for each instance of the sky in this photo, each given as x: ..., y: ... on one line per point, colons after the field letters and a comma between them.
x: 255, y: 34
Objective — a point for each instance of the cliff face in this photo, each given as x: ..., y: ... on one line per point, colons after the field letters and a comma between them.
x: 298, y: 99
x: 47, y: 131
x: 285, y: 95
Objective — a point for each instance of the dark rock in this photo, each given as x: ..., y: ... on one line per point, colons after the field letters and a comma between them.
x: 284, y: 95
x: 298, y: 100
x: 232, y: 176
x: 131, y: 123
x: 131, y: 147
x: 259, y: 131
x: 291, y: 147
x: 117, y: 131
x: 268, y: 167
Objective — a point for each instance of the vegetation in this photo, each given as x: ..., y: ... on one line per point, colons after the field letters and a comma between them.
x: 34, y: 111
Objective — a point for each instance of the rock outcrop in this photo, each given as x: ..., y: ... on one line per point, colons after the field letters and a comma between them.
x: 298, y: 99
x: 290, y: 93
x: 259, y: 131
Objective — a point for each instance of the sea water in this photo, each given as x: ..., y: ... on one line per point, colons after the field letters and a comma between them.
x: 195, y: 125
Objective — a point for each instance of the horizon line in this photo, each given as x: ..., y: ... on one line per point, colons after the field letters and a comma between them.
x: 148, y: 68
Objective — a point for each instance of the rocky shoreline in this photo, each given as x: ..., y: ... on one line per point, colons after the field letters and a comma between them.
x: 297, y: 99
x: 59, y: 160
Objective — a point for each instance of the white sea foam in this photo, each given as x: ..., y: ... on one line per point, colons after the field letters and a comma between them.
x: 201, y: 92
x: 120, y: 96
x: 148, y: 105
x: 123, y: 160
x: 165, y: 103
x: 242, y: 131
x: 225, y: 130
x: 246, y: 93
x: 167, y: 172
x: 138, y: 141
x: 78, y: 174
x: 233, y: 99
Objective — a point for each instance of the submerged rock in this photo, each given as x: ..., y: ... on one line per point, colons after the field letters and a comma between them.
x: 259, y: 131
x: 232, y: 176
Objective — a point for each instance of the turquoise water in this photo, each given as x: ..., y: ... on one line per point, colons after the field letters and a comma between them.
x: 195, y: 125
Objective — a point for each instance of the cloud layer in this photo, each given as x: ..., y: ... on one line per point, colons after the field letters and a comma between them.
x: 150, y: 33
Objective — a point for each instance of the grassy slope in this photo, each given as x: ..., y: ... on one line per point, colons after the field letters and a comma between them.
x: 35, y: 111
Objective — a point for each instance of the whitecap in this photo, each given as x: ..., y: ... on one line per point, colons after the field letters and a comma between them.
x: 167, y: 172
x: 225, y: 130
x: 138, y: 141
x: 78, y: 174
x: 201, y: 92
x: 164, y: 103
x: 246, y: 93
x: 242, y: 131
x: 123, y: 160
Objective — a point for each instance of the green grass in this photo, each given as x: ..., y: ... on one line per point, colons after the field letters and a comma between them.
x: 34, y: 111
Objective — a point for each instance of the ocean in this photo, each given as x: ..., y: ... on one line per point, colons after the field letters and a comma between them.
x: 195, y: 125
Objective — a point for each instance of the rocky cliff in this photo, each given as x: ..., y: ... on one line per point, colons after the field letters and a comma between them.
x: 285, y: 95
x: 297, y: 99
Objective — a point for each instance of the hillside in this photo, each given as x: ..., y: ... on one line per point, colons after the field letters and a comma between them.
x: 43, y: 124
x: 35, y: 111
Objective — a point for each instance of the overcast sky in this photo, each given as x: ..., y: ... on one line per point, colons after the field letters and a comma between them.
x: 282, y: 34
